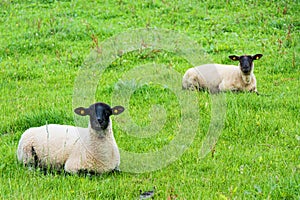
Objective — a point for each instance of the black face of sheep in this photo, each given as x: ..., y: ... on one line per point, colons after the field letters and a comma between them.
x: 246, y: 62
x: 99, y: 114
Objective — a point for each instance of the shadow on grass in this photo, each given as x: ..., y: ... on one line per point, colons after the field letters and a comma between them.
x: 48, y: 171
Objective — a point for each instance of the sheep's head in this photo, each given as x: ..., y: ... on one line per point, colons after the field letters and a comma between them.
x: 99, y: 114
x: 246, y: 62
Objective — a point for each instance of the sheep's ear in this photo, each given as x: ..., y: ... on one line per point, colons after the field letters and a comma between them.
x: 82, y: 111
x: 233, y: 57
x: 117, y: 110
x: 257, y: 56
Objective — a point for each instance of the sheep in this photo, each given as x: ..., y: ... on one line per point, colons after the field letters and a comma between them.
x: 218, y: 77
x: 72, y: 148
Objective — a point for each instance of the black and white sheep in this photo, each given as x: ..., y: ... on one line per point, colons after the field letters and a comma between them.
x: 218, y: 77
x: 71, y: 148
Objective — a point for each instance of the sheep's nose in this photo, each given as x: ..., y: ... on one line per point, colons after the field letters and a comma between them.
x: 248, y: 69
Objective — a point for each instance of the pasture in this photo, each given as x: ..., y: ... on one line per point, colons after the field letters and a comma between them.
x: 48, y: 47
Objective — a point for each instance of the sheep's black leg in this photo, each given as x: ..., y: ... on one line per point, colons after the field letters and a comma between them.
x: 35, y: 157
x: 116, y: 170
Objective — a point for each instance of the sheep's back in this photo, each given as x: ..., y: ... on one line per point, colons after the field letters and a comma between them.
x: 215, y: 73
x: 54, y: 143
x: 211, y: 75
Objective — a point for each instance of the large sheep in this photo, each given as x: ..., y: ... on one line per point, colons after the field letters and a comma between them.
x: 71, y: 148
x: 218, y: 77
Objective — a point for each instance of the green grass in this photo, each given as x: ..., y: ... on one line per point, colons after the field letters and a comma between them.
x: 44, y: 46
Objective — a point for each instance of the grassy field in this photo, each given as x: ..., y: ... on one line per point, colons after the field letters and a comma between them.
x: 46, y: 49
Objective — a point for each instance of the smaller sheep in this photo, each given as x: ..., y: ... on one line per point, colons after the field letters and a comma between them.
x: 71, y: 148
x: 218, y: 77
